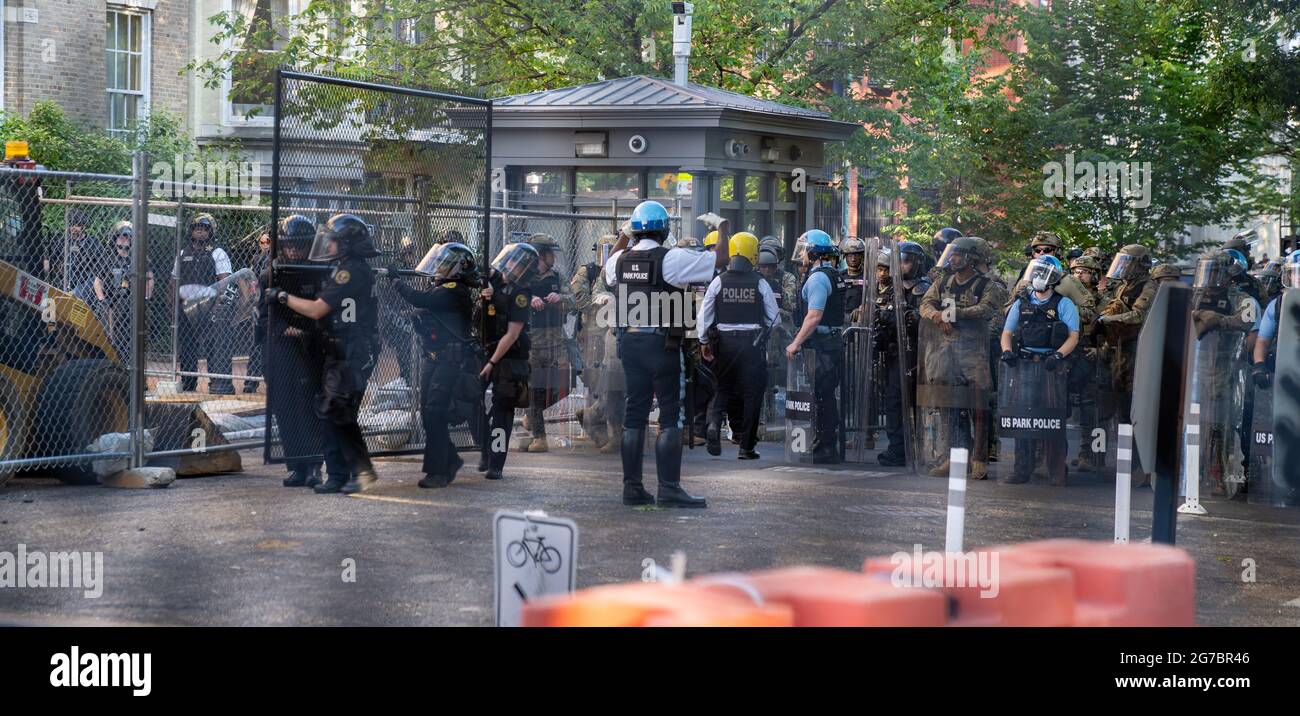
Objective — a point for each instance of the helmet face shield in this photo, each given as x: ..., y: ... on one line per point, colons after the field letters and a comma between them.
x: 954, y: 259
x: 445, y: 261
x: 325, y: 247
x: 1211, y: 273
x: 603, y: 252
x: 516, y: 262
x: 1044, y: 273
x: 1123, y: 267
x: 1290, y: 275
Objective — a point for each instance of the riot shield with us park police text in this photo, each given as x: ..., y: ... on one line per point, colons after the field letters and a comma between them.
x: 1031, y: 419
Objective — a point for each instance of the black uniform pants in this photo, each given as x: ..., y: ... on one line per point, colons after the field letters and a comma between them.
x: 203, y: 339
x: 826, y: 412
x: 742, y: 377
x: 345, y: 374
x: 292, y: 382
x: 893, y: 404
x: 509, y: 386
x: 651, y: 370
x: 438, y: 377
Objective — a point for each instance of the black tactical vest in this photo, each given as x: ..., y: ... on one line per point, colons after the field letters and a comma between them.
x: 197, y: 268
x: 739, y: 299
x: 646, y: 299
x: 833, y: 313
x: 504, y: 295
x: 854, y: 286
x: 1040, y: 324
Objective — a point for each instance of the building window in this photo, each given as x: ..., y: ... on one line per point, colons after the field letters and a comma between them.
x: 127, y: 43
x: 250, y: 86
x: 608, y: 185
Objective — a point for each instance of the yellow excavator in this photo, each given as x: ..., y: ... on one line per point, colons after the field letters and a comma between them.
x: 62, y: 384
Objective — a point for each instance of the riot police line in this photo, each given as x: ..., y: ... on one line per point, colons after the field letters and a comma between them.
x: 898, y: 353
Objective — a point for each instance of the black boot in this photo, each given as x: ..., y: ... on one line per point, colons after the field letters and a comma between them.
x: 313, y: 476
x: 360, y: 482
x: 713, y: 441
x: 334, y: 484
x: 455, y: 464
x: 431, y: 480
x: 668, y: 461
x: 484, y: 464
x: 297, y: 478
x: 633, y: 446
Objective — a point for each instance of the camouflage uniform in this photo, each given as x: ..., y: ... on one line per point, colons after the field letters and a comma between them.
x: 548, y: 356
x: 1123, y: 316
x: 957, y: 361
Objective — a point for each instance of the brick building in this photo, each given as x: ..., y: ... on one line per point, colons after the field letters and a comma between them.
x: 104, y: 62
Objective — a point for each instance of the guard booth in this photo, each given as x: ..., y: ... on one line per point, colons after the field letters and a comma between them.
x: 603, y: 147
x: 564, y: 159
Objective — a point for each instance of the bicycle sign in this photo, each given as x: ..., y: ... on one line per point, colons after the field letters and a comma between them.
x: 533, y: 555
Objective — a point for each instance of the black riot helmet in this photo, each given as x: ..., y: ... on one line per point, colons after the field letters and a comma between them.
x: 942, y: 238
x: 296, y: 229
x: 343, y: 235
x: 205, y: 221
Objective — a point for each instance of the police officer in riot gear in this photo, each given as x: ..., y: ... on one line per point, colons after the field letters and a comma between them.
x: 899, y: 360
x: 650, y: 282
x: 822, y: 321
x: 112, y: 286
x: 293, y: 343
x: 1241, y: 278
x: 506, y: 309
x: 738, y: 312
x: 547, y: 354
x: 1131, y: 293
x: 200, y: 265
x: 442, y: 323
x: 1041, y: 326
x: 853, y: 250
x: 942, y: 238
x: 959, y: 307
x: 349, y: 313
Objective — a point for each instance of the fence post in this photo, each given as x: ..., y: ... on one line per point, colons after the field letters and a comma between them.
x: 613, y: 215
x: 176, y: 299
x: 139, y: 272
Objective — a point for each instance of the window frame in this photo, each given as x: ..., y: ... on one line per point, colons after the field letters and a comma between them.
x: 145, y: 93
x: 229, y: 118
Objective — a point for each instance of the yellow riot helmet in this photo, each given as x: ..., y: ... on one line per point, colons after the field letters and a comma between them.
x: 742, y: 243
x: 710, y: 239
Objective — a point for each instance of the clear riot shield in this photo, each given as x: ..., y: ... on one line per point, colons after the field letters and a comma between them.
x: 862, y: 386
x: 1264, y: 485
x: 602, y: 379
x: 800, y: 406
x: 900, y: 363
x: 1286, y: 402
x: 1031, y: 420
x: 229, y: 301
x: 953, y: 384
x: 1216, y: 402
x: 550, y: 420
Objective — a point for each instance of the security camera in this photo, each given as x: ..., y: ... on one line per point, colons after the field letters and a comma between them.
x: 637, y: 144
x: 736, y: 148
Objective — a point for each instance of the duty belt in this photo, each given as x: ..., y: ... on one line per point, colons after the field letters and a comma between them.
x: 645, y: 329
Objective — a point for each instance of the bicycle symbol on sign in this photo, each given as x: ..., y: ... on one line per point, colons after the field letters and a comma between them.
x: 519, y: 551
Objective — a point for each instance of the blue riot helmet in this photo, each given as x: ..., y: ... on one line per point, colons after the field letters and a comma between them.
x: 649, y: 221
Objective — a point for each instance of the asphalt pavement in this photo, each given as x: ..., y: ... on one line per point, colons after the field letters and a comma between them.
x: 241, y: 549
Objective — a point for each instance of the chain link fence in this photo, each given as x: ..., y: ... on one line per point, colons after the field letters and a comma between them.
x: 70, y: 283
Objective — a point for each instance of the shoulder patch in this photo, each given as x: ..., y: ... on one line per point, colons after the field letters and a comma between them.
x: 449, y: 284
x: 520, y: 301
x: 342, y: 276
